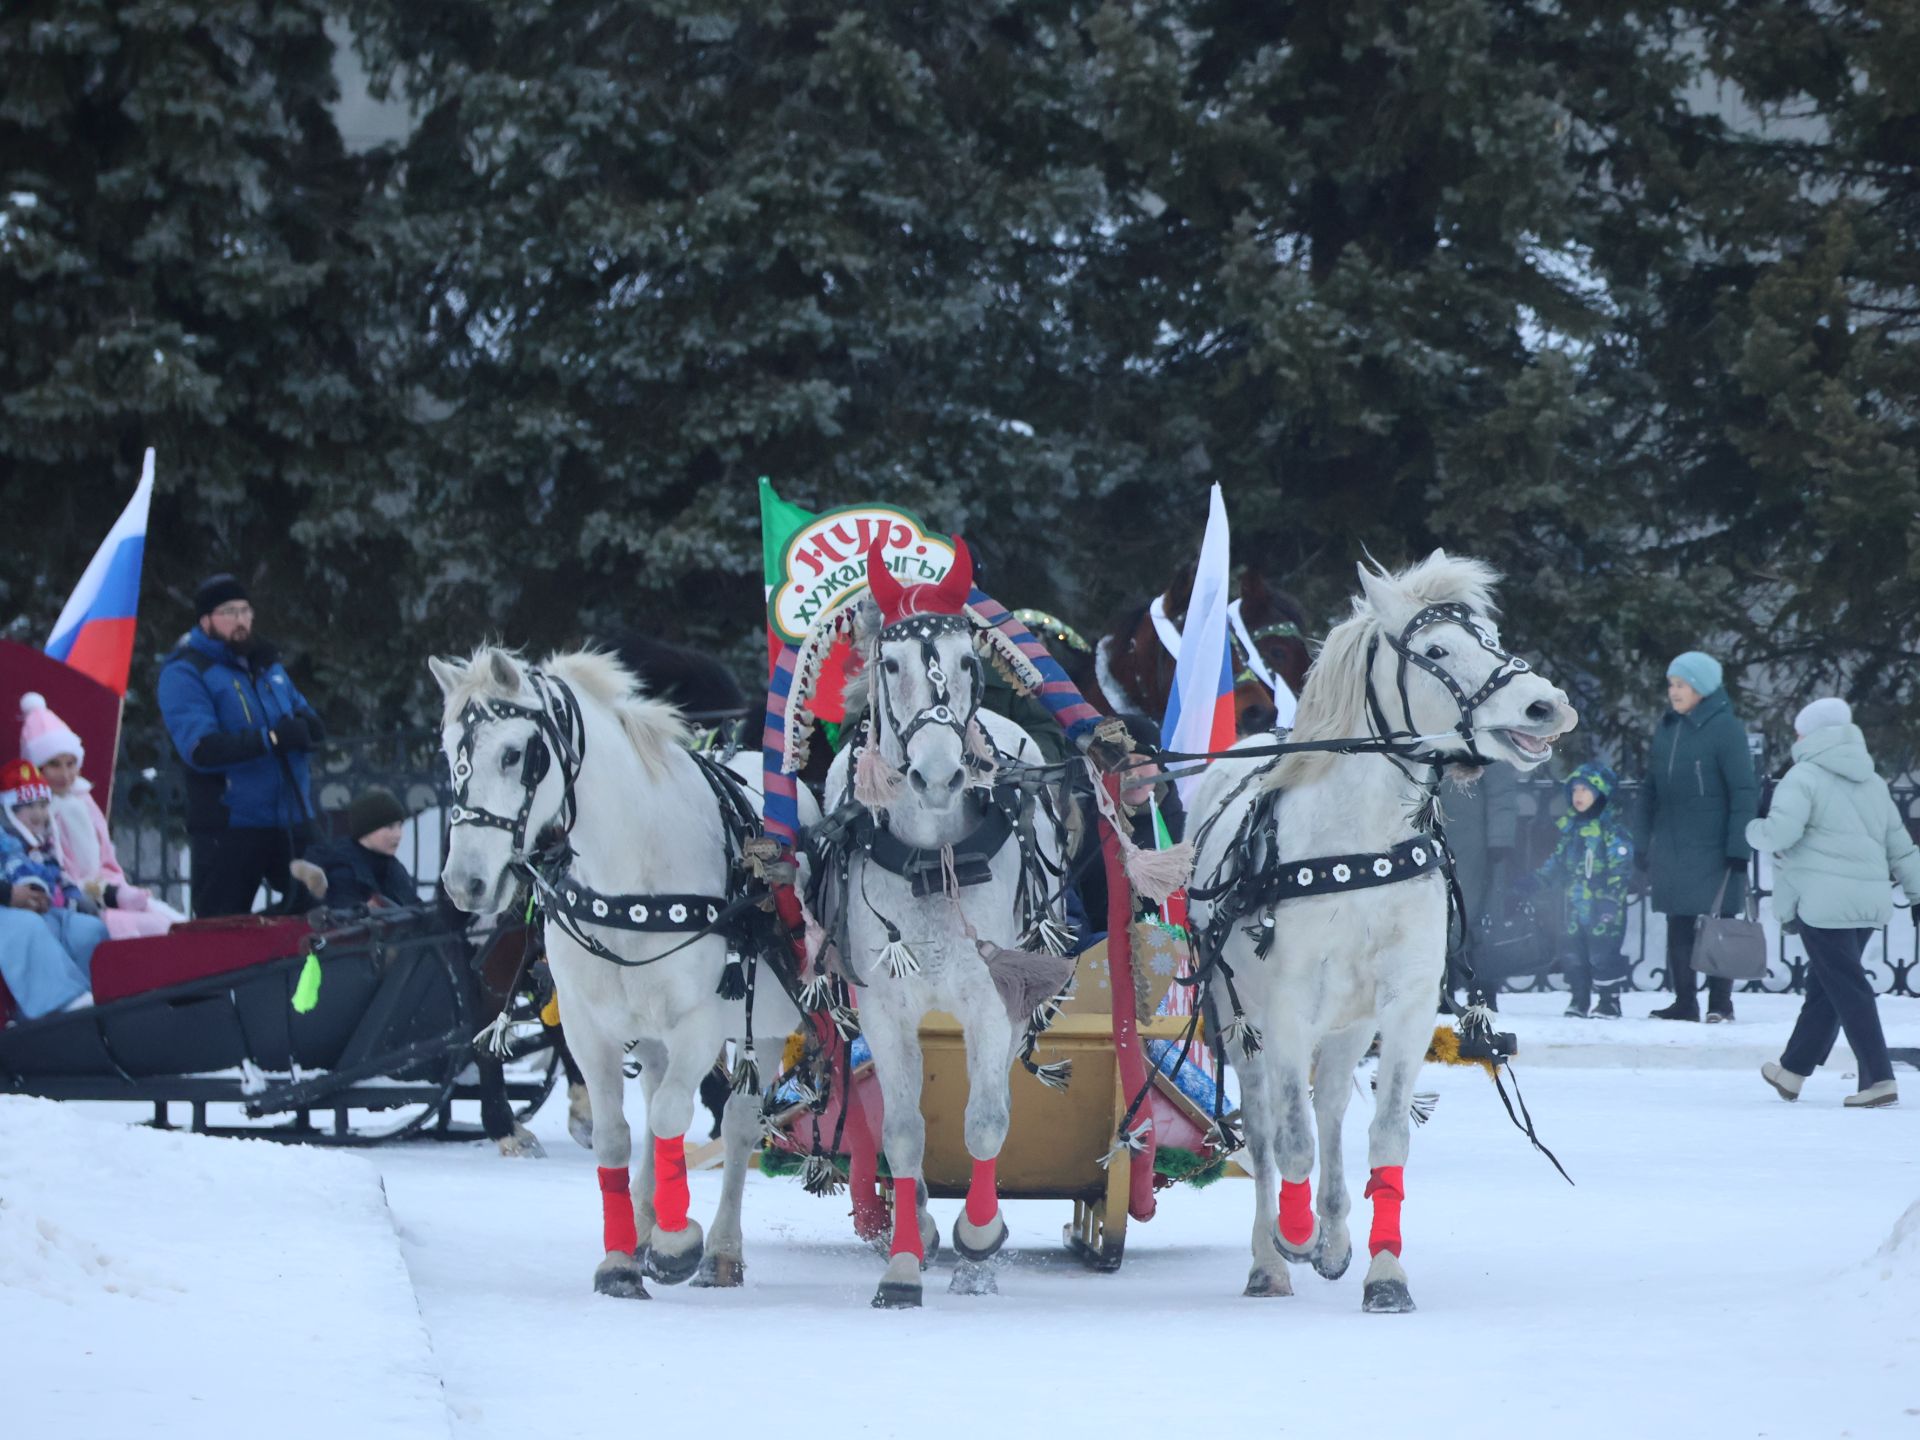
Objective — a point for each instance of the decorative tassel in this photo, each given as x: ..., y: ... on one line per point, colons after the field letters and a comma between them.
x: 984, y: 764
x: 1156, y: 874
x: 746, y: 1072
x: 898, y: 958
x: 845, y: 1018
x: 1049, y: 935
x: 815, y: 933
x: 493, y: 1036
x: 733, y: 979
x: 1134, y: 1140
x: 1224, y: 1137
x: 817, y: 993
x: 306, y: 993
x: 876, y: 784
x: 821, y: 1176
x: 1055, y: 1076
x: 1250, y: 1039
x: 1422, y: 1106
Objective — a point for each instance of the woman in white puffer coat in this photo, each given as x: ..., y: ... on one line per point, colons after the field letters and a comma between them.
x: 1838, y: 841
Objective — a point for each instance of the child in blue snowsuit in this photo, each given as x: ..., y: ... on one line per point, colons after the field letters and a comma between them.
x: 1594, y: 864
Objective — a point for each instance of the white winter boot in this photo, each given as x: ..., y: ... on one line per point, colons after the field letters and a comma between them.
x: 1875, y: 1096
x: 1782, y: 1079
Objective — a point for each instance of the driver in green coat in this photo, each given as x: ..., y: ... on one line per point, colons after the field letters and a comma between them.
x: 1691, y: 823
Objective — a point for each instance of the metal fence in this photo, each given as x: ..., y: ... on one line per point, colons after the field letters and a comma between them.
x: 149, y: 825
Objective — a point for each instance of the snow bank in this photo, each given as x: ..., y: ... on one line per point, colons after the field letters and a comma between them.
x: 1897, y: 1261
x: 159, y: 1284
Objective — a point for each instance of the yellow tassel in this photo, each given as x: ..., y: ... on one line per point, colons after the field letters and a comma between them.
x: 550, y: 1012
x: 1445, y: 1049
x: 791, y: 1052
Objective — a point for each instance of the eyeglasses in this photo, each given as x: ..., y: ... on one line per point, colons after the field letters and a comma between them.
x: 233, y: 610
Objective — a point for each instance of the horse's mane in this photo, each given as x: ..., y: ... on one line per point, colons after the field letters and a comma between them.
x: 1333, y: 706
x: 653, y: 727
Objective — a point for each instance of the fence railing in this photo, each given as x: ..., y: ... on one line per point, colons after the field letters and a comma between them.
x: 149, y: 828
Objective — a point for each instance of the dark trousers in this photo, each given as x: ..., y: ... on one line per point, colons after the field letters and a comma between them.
x: 1686, y: 984
x: 1839, y: 997
x: 230, y: 865
x: 1590, y: 958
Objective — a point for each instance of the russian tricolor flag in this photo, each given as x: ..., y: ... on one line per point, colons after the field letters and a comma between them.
x: 94, y: 634
x: 1200, y: 709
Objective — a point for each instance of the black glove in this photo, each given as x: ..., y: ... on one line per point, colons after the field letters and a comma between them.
x: 292, y: 734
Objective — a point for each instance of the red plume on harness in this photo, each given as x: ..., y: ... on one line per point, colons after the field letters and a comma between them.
x: 946, y: 596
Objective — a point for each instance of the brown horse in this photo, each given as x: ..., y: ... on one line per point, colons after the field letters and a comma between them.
x: 1135, y: 669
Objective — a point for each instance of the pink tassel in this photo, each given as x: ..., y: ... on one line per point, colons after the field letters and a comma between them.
x: 1156, y: 874
x: 876, y: 784
x: 816, y: 936
x: 988, y: 771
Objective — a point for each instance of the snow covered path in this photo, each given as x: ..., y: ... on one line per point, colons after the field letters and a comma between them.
x: 1723, y: 1268
x: 1712, y: 1274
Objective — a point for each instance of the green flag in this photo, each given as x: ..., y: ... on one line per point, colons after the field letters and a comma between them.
x: 778, y: 520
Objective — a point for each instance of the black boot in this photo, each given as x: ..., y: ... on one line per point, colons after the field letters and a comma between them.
x: 1606, y: 1003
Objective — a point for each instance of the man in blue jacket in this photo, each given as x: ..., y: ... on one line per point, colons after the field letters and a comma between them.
x: 244, y: 732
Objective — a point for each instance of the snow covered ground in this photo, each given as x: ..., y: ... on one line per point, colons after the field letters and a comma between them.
x: 1727, y: 1265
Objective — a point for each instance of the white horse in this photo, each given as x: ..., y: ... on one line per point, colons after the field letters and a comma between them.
x: 1331, y: 924
x: 924, y: 774
x: 571, y: 751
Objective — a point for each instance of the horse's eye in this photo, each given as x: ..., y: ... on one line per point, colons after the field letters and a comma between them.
x: 892, y: 667
x: 1436, y: 652
x: 509, y: 758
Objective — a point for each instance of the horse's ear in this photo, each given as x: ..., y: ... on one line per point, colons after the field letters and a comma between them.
x: 506, y: 674
x: 1376, y: 586
x: 957, y: 584
x: 446, y: 673
x: 886, y: 590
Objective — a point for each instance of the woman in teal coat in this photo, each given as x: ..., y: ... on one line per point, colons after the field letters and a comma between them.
x: 1837, y: 840
x: 1691, y: 823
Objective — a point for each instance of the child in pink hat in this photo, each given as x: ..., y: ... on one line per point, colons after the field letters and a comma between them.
x: 80, y: 834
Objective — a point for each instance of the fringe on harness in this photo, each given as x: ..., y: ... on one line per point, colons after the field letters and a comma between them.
x: 1151, y: 874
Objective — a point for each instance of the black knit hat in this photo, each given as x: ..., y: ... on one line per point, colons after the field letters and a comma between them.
x: 215, y: 591
x: 373, y: 810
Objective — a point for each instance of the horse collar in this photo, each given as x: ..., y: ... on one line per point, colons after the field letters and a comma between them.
x: 924, y: 866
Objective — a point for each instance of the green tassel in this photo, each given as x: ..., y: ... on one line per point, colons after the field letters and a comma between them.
x: 306, y: 994
x: 530, y: 899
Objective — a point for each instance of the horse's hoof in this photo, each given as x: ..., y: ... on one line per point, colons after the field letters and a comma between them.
x: 720, y: 1272
x: 979, y: 1242
x: 900, y: 1286
x: 579, y: 1116
x: 619, y: 1276
x: 970, y: 1277
x: 521, y: 1144
x: 1298, y: 1255
x: 681, y: 1257
x: 1332, y: 1267
x: 1386, y: 1297
x: 1267, y: 1284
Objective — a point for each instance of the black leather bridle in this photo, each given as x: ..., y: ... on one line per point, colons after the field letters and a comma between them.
x: 557, y: 730
x: 1509, y: 668
x: 927, y: 629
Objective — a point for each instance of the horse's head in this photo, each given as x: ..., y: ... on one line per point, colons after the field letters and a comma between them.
x: 1269, y: 637
x: 1437, y: 667
x: 499, y: 736
x: 926, y: 679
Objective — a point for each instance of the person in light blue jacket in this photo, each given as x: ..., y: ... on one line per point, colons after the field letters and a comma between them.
x: 1838, y: 841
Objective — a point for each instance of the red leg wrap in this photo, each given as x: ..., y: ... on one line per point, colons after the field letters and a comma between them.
x: 983, y: 1195
x: 1386, y: 1188
x: 670, y: 1183
x: 906, y: 1218
x: 1296, y: 1212
x: 616, y: 1211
